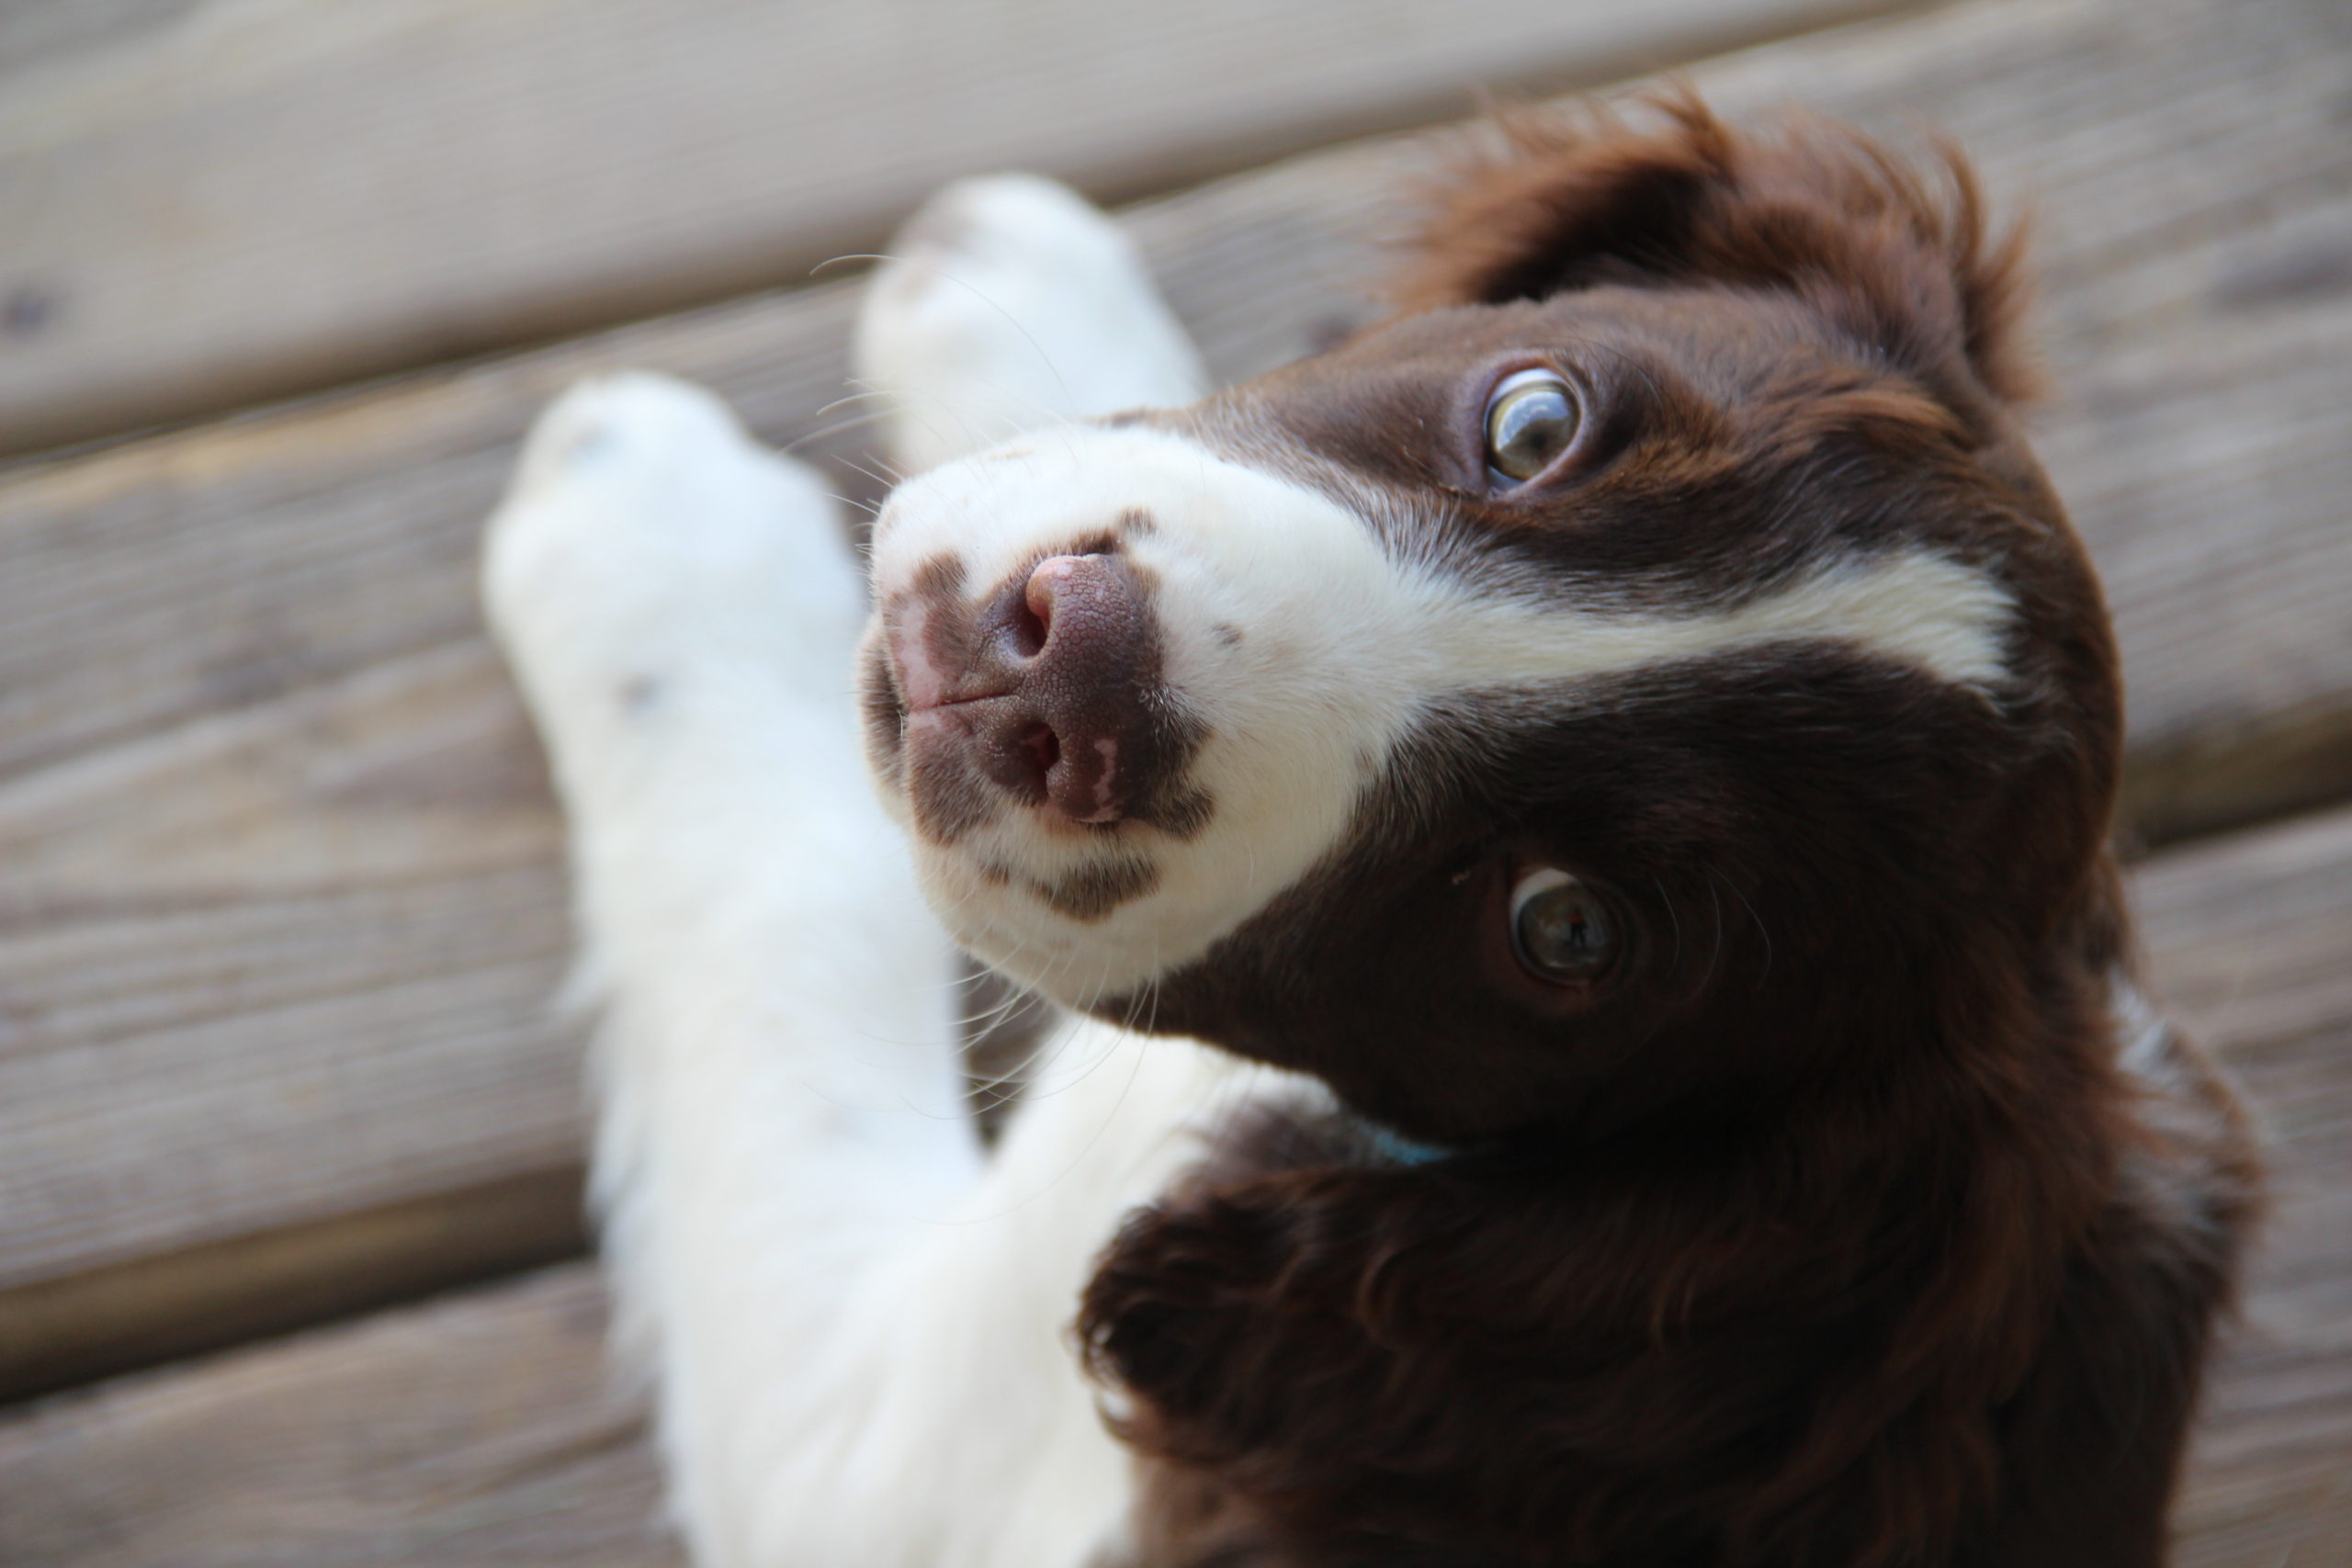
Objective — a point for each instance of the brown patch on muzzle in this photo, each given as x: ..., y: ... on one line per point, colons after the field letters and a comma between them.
x: 1044, y: 693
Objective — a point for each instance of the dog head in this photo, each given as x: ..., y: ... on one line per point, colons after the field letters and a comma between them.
x: 1653, y: 645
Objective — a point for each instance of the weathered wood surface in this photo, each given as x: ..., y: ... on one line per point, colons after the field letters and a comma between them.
x: 479, y: 1431
x: 205, y: 204
x: 282, y: 911
x: 2249, y: 937
x: 186, y: 1301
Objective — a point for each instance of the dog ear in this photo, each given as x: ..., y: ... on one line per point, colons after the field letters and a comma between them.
x: 1560, y: 203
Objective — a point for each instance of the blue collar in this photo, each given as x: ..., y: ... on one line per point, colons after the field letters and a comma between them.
x: 1403, y: 1150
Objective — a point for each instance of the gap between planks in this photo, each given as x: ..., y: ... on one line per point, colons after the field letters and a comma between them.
x: 148, y: 1310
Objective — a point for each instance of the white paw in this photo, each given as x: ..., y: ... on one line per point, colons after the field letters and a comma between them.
x: 1010, y: 303
x: 647, y: 546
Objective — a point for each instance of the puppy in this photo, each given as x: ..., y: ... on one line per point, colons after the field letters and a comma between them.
x: 1571, y: 831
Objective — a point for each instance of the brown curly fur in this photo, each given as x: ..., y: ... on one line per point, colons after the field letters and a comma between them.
x: 1556, y: 201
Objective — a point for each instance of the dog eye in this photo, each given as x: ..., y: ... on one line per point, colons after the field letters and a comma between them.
x: 1562, y: 927
x: 1530, y: 420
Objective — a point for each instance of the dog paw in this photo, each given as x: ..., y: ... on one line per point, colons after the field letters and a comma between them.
x: 647, y: 544
x: 1007, y: 303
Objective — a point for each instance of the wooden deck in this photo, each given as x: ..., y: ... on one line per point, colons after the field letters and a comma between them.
x: 291, y: 1264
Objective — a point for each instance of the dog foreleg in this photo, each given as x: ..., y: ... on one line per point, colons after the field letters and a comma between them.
x: 855, y: 1327
x: 782, y: 1097
x: 1006, y: 304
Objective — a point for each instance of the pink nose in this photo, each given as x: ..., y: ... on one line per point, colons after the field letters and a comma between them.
x: 1056, y: 703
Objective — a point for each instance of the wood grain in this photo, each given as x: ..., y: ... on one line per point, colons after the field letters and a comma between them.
x: 478, y: 1430
x: 189, y: 1300
x: 2248, y: 936
x: 281, y: 910
x: 210, y: 204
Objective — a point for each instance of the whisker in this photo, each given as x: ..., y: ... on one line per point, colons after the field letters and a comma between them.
x: 848, y: 424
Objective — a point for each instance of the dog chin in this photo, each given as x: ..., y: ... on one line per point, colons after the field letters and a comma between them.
x: 1074, y: 964
x: 1079, y: 917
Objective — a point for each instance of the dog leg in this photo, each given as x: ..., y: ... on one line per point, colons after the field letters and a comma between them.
x: 1010, y: 303
x: 855, y: 1326
x: 780, y: 1096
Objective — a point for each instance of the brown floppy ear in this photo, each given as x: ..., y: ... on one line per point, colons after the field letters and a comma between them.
x: 1590, y: 199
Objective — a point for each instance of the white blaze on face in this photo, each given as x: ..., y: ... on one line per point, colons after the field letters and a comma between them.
x: 1309, y: 651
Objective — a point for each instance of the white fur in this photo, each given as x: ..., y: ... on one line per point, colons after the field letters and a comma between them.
x: 854, y: 1318
x: 1010, y: 304
x: 2148, y: 1047
x: 1344, y: 647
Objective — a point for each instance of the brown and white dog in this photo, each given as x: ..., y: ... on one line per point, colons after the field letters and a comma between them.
x: 1572, y: 830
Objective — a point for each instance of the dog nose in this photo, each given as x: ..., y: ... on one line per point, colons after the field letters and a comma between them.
x: 1049, y: 688
x: 1074, y: 732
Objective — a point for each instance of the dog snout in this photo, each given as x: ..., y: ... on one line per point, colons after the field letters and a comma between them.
x: 1054, y: 696
x: 1075, y: 733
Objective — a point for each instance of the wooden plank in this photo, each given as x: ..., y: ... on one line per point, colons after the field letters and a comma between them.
x: 478, y: 1430
x: 80, y: 1328
x: 2249, y: 937
x: 261, y: 785
x: 226, y: 932
x: 208, y: 205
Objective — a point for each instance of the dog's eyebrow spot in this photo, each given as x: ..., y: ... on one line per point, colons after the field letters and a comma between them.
x: 1091, y: 892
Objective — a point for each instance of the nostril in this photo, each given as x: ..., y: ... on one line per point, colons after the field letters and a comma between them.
x: 1032, y: 622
